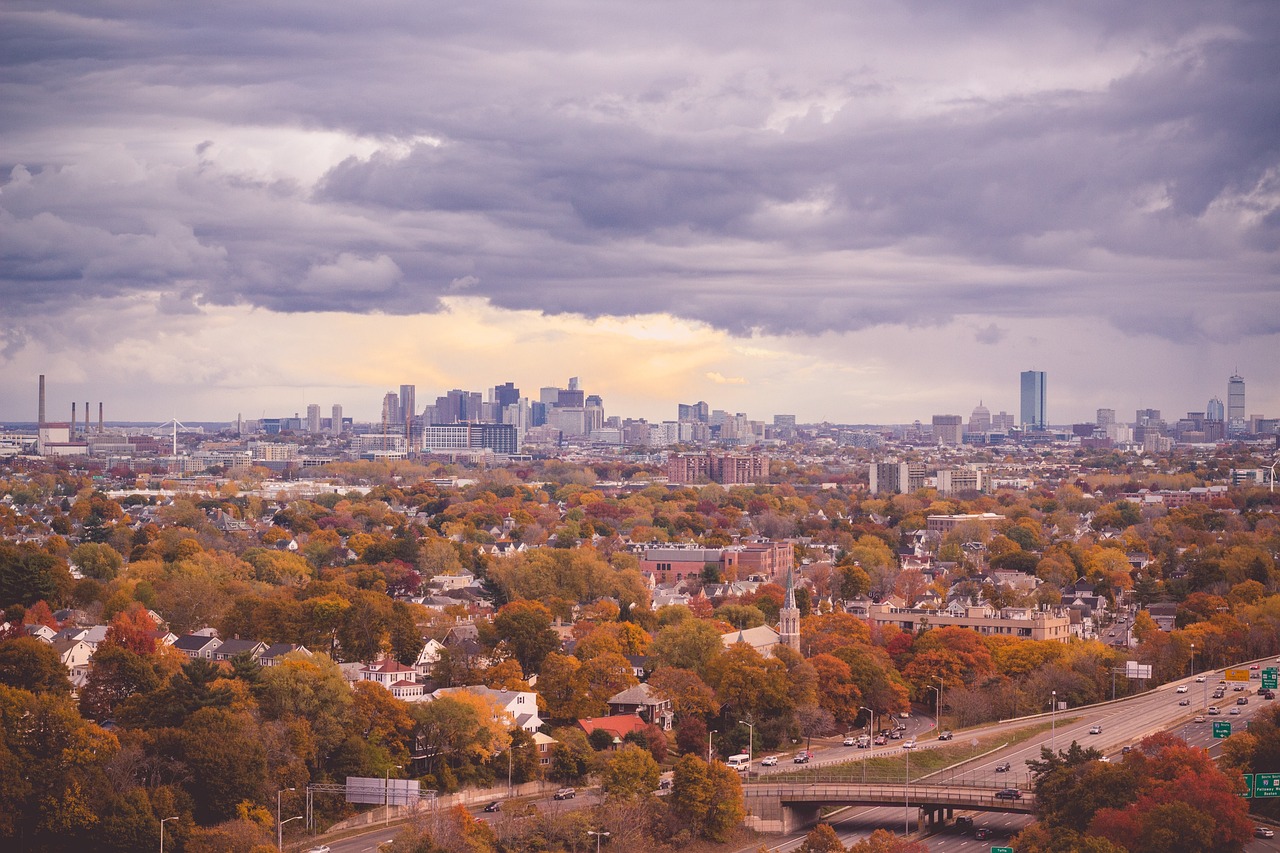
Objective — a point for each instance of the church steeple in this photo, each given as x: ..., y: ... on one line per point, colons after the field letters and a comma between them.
x: 789, y: 617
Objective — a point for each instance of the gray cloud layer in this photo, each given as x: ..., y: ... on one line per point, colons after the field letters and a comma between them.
x: 801, y: 168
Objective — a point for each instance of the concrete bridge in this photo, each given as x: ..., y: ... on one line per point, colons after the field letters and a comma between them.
x: 782, y: 807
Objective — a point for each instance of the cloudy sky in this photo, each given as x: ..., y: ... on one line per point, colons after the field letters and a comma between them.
x: 851, y: 211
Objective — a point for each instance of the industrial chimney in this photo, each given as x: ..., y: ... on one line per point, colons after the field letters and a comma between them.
x: 73, y: 418
x: 41, y: 409
x: 100, y: 417
x: 86, y: 417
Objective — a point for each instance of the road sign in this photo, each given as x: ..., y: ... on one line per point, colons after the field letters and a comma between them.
x: 1266, y: 785
x: 1237, y: 675
x: 1271, y: 678
x: 1221, y: 728
x: 1001, y: 850
x: 1248, y: 785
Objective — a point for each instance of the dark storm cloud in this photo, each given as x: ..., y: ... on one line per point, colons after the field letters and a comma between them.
x: 821, y: 167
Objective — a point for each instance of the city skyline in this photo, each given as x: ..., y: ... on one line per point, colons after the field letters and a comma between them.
x: 394, y: 415
x: 849, y: 212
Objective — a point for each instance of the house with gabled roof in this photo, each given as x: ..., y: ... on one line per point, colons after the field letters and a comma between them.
x: 521, y: 705
x: 231, y: 648
x: 197, y: 646
x: 643, y: 701
x: 273, y: 654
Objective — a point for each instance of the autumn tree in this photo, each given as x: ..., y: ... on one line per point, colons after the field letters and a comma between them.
x: 524, y: 629
x: 706, y: 797
x: 630, y: 772
x: 821, y: 839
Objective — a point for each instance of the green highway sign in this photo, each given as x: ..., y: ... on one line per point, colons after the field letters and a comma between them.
x: 1221, y: 728
x: 1271, y: 678
x: 1266, y: 785
x: 1001, y: 850
x: 1248, y: 785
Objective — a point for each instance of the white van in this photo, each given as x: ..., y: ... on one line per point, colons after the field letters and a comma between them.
x: 740, y: 762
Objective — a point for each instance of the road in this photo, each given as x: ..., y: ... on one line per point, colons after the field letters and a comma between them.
x: 1124, y: 723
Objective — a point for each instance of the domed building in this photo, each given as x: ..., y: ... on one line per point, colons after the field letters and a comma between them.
x: 980, y: 420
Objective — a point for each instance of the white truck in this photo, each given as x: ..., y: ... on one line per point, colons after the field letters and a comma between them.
x: 740, y: 762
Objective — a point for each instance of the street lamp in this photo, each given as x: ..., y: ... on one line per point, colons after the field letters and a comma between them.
x: 751, y: 745
x: 386, y: 795
x: 906, y: 797
x: 709, y: 734
x: 162, y: 823
x: 938, y: 708
x: 941, y: 686
x: 1053, y: 721
x: 873, y: 739
x: 598, y: 835
x: 279, y: 825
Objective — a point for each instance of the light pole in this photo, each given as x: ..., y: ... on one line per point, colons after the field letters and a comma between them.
x: 386, y: 796
x: 937, y: 708
x: 941, y: 686
x: 1053, y: 721
x: 279, y: 825
x: 598, y: 835
x: 871, y: 745
x: 162, y: 823
x: 509, y: 748
x: 709, y: 734
x: 751, y: 744
x: 906, y: 797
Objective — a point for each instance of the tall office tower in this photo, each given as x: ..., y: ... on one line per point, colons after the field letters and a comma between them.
x: 1002, y: 422
x: 313, y: 418
x: 459, y: 406
x: 391, y: 408
x: 1235, y: 402
x: 548, y: 394
x: 1033, y: 399
x: 1214, y: 410
x: 505, y: 396
x: 593, y: 412
x: 1146, y: 417
x: 571, y: 397
x: 335, y: 422
x: 573, y: 383
x: 408, y: 402
x: 979, y: 419
x: 948, y: 429
x: 1105, y: 418
x: 698, y: 411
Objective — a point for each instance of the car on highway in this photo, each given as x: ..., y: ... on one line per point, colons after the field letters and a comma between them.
x: 1182, y: 688
x: 1200, y: 679
x: 896, y: 734
x: 1185, y: 702
x: 906, y: 715
x: 1096, y: 730
x: 1004, y: 768
x: 1263, y: 832
x: 1243, y: 700
x: 909, y: 744
x: 495, y: 806
x: 1254, y: 666
x: 564, y: 794
x: 850, y: 741
x: 323, y: 848
x: 964, y: 823
x: 1008, y: 794
x: 1235, y: 712
x: 946, y: 735
x: 1267, y: 694
x: 1199, y: 718
x: 1213, y: 711
x: 769, y: 761
x: 881, y: 740
x: 982, y: 833
x: 803, y: 756
x: 1239, y: 688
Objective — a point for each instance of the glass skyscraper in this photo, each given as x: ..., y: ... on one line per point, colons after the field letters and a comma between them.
x: 1033, y: 399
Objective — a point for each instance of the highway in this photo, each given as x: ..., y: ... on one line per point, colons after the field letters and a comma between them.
x: 1123, y: 723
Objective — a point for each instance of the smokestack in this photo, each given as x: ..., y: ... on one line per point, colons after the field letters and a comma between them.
x: 86, y: 417
x: 73, y: 418
x: 99, y: 417
x: 41, y: 409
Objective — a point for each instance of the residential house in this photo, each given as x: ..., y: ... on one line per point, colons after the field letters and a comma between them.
x: 645, y: 703
x: 521, y: 705
x: 273, y: 654
x: 236, y: 646
x: 197, y: 646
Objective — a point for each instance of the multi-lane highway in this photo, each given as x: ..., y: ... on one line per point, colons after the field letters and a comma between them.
x: 1122, y: 723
